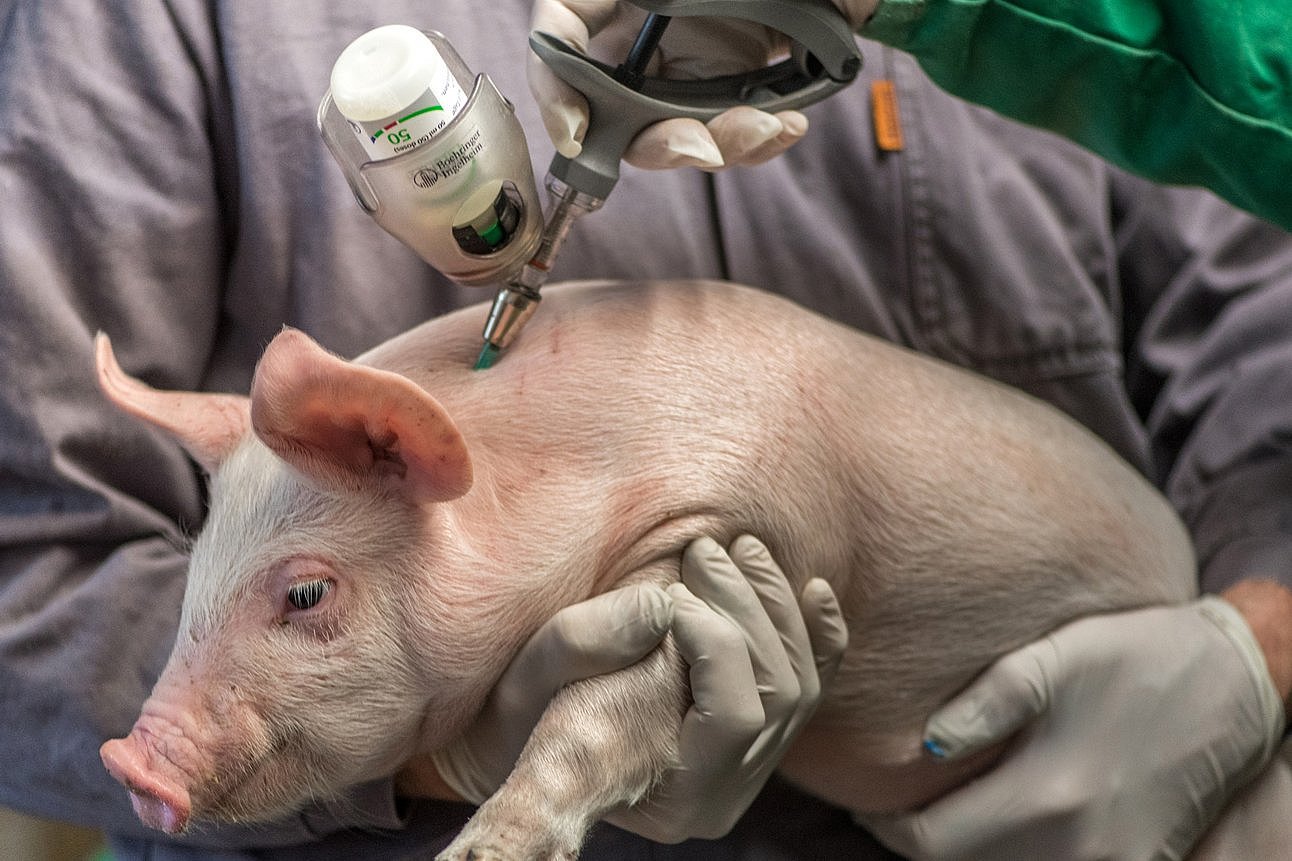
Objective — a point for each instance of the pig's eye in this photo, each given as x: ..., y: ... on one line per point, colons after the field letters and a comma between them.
x: 307, y: 593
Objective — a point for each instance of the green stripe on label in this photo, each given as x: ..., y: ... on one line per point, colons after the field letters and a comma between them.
x: 418, y: 113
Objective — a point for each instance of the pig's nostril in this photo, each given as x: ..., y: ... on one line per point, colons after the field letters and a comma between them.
x: 120, y: 759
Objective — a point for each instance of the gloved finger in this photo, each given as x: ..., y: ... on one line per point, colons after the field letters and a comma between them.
x: 674, y: 143
x: 714, y: 577
x: 563, y: 109
x: 725, y: 719
x: 574, y: 21
x: 777, y: 598
x: 739, y: 136
x: 748, y: 136
x: 794, y: 127
x: 1008, y: 695
x: 726, y: 713
x: 823, y: 618
x: 597, y: 636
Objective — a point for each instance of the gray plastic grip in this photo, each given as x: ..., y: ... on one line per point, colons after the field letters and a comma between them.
x: 818, y: 25
x: 826, y: 59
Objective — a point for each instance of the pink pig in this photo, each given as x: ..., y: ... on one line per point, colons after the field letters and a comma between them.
x: 385, y: 533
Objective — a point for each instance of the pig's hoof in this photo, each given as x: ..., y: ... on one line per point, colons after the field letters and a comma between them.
x: 490, y: 852
x: 497, y: 833
x: 473, y: 853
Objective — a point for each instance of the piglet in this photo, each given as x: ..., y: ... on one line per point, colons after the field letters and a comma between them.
x: 385, y: 533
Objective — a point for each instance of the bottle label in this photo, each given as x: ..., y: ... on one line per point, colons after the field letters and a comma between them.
x: 414, y: 126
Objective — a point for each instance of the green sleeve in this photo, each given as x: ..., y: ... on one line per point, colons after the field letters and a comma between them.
x: 1188, y: 92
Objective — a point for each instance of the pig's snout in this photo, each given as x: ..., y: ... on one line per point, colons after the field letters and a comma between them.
x: 159, y: 800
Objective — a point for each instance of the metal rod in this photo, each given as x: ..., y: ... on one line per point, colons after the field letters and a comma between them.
x: 632, y: 71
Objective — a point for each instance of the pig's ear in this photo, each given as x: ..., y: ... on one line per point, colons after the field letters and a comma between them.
x: 346, y: 426
x: 209, y: 426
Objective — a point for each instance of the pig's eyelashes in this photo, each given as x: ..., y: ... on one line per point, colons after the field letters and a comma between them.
x: 307, y: 593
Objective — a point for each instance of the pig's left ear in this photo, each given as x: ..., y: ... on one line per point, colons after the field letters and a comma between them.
x: 208, y: 426
x: 346, y: 426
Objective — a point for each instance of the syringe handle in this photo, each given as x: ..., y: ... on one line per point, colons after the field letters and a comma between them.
x: 824, y: 60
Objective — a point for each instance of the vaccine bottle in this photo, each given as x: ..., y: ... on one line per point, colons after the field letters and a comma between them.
x: 435, y: 156
x: 395, y: 89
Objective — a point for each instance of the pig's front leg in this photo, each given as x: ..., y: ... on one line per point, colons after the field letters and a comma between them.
x: 603, y: 742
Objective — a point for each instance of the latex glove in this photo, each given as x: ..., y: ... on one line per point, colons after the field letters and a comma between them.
x: 760, y: 659
x: 756, y: 666
x: 692, y: 48
x: 1137, y: 727
x: 603, y: 634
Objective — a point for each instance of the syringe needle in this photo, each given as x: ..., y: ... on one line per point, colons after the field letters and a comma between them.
x: 488, y: 355
x: 517, y: 301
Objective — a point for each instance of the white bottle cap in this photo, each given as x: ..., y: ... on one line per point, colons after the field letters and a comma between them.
x: 384, y: 71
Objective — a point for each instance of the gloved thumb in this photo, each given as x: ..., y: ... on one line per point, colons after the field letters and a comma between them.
x: 600, y: 635
x: 1011, y: 693
x: 564, y: 110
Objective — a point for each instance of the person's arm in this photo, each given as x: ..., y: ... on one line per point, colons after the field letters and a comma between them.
x: 1209, y: 370
x: 118, y: 180
x: 1185, y: 93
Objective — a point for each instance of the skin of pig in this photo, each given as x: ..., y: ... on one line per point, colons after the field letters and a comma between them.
x: 955, y: 518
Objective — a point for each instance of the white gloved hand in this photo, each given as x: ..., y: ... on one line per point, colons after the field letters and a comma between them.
x: 597, y: 636
x: 1136, y: 729
x: 760, y: 659
x: 692, y: 48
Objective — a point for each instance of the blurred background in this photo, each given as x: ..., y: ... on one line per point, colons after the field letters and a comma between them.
x: 23, y: 838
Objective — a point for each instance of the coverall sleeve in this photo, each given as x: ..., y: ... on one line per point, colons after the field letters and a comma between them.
x: 117, y: 186
x: 1209, y: 307
x: 1192, y: 93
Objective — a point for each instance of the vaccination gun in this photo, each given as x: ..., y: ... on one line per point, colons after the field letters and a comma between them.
x: 449, y: 174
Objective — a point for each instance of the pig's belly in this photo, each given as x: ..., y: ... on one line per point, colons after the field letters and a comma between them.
x: 861, y: 774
